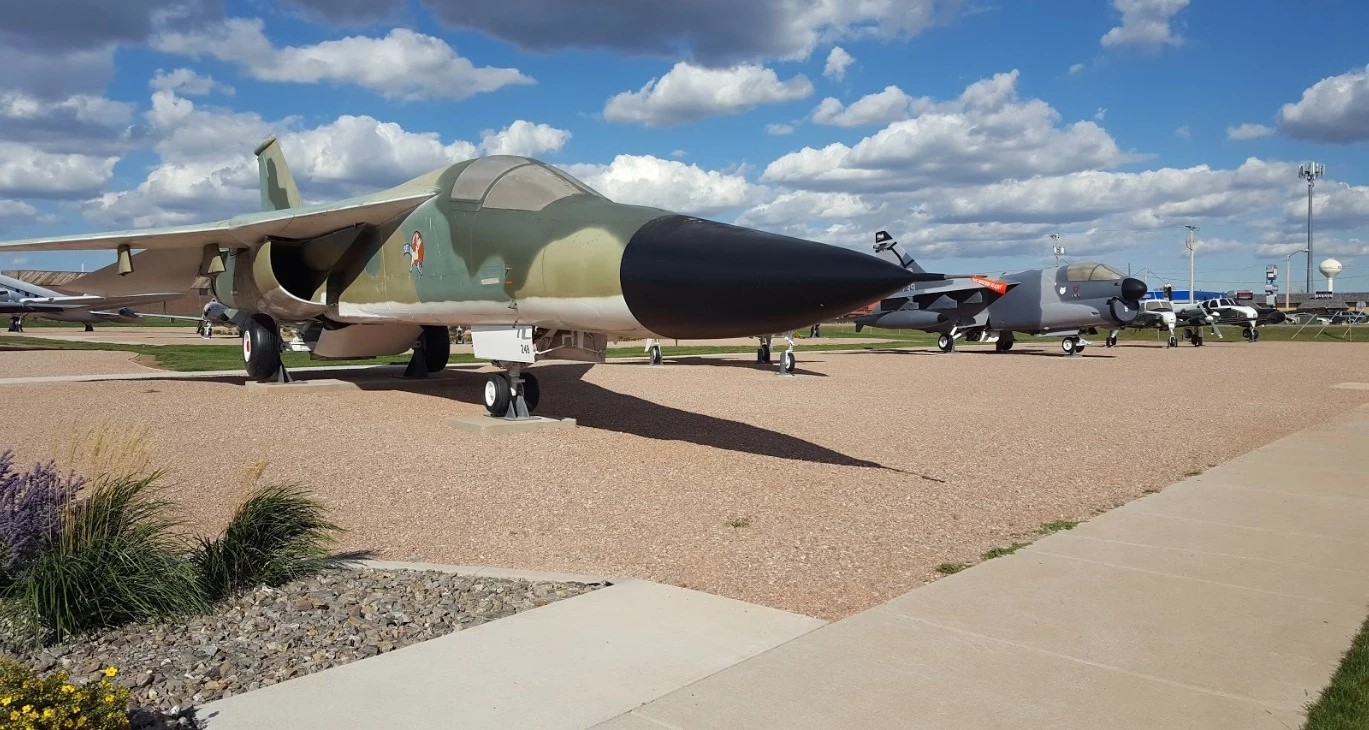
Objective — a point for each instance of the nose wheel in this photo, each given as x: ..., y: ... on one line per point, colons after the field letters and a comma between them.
x: 945, y: 343
x: 1111, y: 341
x: 512, y: 394
x: 1251, y: 334
x: 1073, y: 346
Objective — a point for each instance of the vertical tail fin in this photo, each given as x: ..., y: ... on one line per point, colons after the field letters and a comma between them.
x: 887, y: 248
x: 278, y: 189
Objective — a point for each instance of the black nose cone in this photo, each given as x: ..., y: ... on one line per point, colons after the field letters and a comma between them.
x: 1133, y: 289
x: 690, y: 278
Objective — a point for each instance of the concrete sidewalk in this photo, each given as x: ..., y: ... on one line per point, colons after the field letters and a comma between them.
x: 1224, y: 601
x: 570, y: 664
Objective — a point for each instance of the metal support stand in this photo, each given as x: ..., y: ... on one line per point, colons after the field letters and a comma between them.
x: 417, y: 369
x: 518, y: 407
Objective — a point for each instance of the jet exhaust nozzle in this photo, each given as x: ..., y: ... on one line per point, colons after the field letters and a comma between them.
x: 689, y: 278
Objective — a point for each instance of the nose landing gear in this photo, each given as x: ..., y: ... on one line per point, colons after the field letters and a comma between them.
x: 512, y: 394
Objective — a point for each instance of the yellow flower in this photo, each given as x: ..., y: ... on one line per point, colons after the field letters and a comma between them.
x: 47, y: 713
x: 14, y: 714
x: 26, y: 709
x: 107, y: 699
x: 68, y: 689
x: 111, y: 671
x: 5, y: 701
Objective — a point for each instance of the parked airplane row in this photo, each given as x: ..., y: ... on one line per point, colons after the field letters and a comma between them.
x: 540, y: 265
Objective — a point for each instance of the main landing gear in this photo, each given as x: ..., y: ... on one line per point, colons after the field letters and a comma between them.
x: 431, y: 353
x: 261, y: 348
x: 90, y: 327
x: 1004, y: 343
x: 1251, y: 334
x: 1194, y: 335
x: 512, y: 393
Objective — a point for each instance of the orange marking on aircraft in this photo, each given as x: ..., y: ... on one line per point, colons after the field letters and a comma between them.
x: 993, y: 285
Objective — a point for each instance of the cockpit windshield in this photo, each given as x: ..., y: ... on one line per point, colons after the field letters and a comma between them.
x: 1092, y: 272
x: 515, y: 183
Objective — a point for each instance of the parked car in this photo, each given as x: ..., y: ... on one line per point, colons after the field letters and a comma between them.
x: 1349, y: 318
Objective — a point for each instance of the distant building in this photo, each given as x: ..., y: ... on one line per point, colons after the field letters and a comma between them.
x: 1338, y: 302
x: 190, y: 304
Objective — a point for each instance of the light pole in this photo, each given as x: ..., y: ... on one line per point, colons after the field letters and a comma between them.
x: 1310, y: 172
x: 1286, y: 260
x: 1190, y: 244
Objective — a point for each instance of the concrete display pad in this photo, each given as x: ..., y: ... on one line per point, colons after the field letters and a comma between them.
x: 488, y: 425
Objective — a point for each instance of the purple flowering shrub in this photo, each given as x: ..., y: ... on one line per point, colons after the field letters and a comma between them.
x: 32, y: 505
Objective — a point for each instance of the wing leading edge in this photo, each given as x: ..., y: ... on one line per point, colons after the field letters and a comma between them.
x: 244, y: 231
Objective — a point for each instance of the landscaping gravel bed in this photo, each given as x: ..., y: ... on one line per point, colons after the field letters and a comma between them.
x: 270, y: 635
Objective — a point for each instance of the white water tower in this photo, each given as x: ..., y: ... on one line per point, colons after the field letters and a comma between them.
x: 1329, y: 269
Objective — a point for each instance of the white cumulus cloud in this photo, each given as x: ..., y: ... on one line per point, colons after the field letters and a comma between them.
x: 403, y: 64
x: 1145, y: 24
x: 986, y: 134
x: 186, y: 81
x: 883, y: 107
x: 669, y: 184
x: 688, y: 93
x: 837, y: 61
x: 1335, y: 109
x: 1248, y: 131
x: 523, y: 138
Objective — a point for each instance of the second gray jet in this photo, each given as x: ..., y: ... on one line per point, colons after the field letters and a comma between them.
x: 1063, y: 301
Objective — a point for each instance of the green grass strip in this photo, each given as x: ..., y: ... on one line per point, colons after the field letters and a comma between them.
x: 1344, y: 704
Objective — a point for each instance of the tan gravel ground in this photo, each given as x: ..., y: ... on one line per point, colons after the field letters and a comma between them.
x: 854, y: 479
x: 36, y: 363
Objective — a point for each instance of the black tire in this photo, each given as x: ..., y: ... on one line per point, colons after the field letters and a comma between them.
x: 1198, y: 341
x: 1069, y: 345
x: 788, y: 362
x: 497, y: 395
x: 1173, y: 341
x: 261, y: 347
x: 1003, y: 345
x: 532, y: 392
x: 437, y: 348
x: 763, y: 354
x: 1254, y: 335
x: 945, y: 343
x: 1111, y: 341
x: 655, y: 356
x: 90, y: 327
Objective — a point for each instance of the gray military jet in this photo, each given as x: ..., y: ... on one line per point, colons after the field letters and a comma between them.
x: 1063, y: 301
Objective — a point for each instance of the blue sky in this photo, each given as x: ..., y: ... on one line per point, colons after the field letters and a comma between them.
x: 971, y: 130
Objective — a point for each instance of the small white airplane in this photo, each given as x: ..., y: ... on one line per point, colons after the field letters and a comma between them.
x: 107, y: 297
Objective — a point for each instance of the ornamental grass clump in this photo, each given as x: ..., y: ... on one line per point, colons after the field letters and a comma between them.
x: 115, y: 560
x: 29, y: 701
x: 31, y: 507
x: 279, y: 534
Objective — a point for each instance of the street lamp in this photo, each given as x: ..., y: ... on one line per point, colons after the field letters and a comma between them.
x: 1286, y: 259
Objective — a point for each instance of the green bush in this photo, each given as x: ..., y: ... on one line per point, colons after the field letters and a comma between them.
x: 116, y: 560
x: 278, y: 535
x: 31, y: 702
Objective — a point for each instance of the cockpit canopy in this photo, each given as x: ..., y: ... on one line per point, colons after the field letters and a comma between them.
x: 1092, y: 272
x: 515, y: 183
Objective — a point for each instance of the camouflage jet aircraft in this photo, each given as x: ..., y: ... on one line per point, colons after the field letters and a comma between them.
x: 1063, y: 301
x: 538, y: 264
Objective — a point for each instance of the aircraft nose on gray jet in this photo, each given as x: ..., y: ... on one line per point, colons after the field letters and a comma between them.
x: 690, y: 278
x: 1133, y: 289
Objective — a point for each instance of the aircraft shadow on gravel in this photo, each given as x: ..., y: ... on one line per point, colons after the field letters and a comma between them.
x: 594, y: 406
x: 1015, y: 352
x: 740, y: 362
